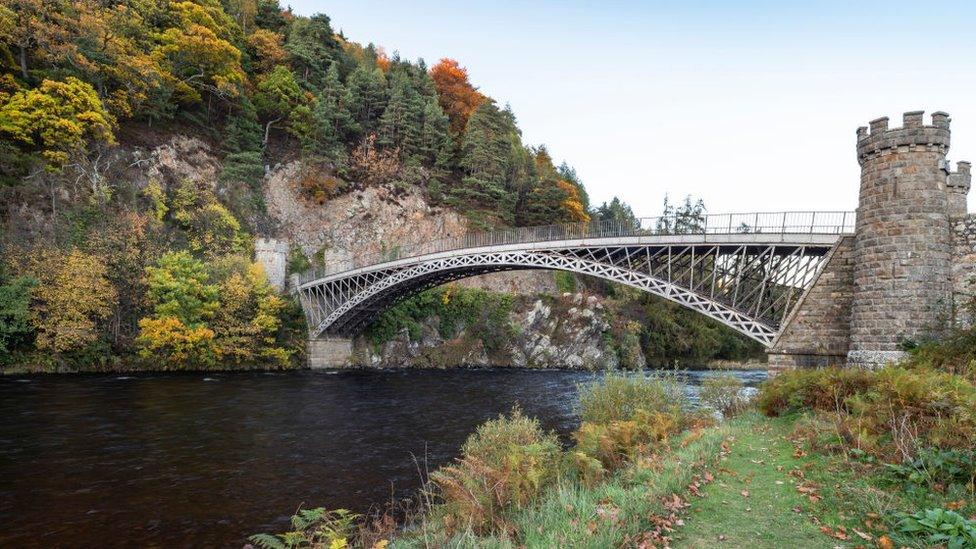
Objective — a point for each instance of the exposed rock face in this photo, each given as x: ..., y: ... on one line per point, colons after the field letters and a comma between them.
x: 375, y: 219
x: 551, y: 332
x: 182, y: 158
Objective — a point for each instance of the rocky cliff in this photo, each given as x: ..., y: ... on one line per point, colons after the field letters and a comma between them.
x: 565, y: 331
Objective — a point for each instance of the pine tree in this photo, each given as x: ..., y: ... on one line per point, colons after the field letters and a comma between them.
x: 243, y: 132
x: 338, y: 101
x: 312, y: 46
x: 367, y: 87
x: 435, y: 139
x: 402, y: 122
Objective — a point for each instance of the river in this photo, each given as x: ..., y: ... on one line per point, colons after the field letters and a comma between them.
x: 206, y: 459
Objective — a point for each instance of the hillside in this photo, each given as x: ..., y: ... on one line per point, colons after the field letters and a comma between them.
x: 145, y: 145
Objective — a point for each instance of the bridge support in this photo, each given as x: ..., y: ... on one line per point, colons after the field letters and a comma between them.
x: 817, y: 331
x: 329, y: 352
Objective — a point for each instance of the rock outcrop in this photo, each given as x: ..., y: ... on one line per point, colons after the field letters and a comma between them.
x: 568, y: 331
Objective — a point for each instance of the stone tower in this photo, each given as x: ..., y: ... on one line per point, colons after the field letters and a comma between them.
x: 272, y: 254
x: 903, y: 237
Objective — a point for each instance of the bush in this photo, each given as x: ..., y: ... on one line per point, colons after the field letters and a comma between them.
x: 505, y: 464
x: 892, y: 412
x: 936, y: 466
x: 724, y: 394
x: 821, y: 389
x: 619, y: 397
x: 312, y: 528
x: 955, y: 355
x: 937, y: 527
x: 619, y: 442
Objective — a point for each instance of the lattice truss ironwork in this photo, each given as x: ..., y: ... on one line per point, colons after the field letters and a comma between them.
x: 749, y: 287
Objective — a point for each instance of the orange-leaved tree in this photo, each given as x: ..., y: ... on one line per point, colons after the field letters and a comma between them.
x: 455, y: 93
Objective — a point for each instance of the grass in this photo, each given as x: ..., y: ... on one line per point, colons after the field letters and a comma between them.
x: 617, y: 511
x: 754, y: 499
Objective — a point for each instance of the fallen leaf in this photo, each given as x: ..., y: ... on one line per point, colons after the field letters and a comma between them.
x: 745, y: 493
x: 884, y: 542
x: 862, y: 535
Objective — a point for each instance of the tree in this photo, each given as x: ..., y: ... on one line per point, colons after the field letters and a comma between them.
x: 687, y: 218
x: 367, y: 88
x: 435, y: 139
x: 278, y: 95
x: 402, y: 121
x: 616, y: 211
x: 58, y: 118
x: 457, y: 97
x: 211, y: 229
x: 179, y: 287
x: 72, y: 295
x: 266, y: 47
x: 248, y: 320
x: 183, y: 301
x: 197, y: 54
x: 15, y: 318
x: 486, y: 159
x: 312, y: 46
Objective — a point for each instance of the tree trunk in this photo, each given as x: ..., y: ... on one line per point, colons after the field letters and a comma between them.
x: 23, y: 62
x: 267, y: 130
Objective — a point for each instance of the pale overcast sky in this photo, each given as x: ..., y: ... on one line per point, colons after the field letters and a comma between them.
x: 748, y: 105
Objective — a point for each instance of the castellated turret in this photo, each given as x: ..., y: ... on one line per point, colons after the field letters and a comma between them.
x: 272, y: 254
x: 903, y: 236
x: 957, y: 185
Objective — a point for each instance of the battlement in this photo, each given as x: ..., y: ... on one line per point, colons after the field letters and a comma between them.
x: 270, y: 245
x: 962, y: 177
x: 877, y: 139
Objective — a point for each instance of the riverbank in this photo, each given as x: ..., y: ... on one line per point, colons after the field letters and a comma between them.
x: 822, y: 458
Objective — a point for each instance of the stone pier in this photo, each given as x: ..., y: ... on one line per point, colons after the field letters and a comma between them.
x: 329, y: 352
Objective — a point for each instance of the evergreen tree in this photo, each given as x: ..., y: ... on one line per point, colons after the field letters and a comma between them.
x: 312, y: 46
x: 616, y: 210
x: 367, y: 87
x: 402, y: 122
x: 486, y: 160
x: 243, y: 132
x: 435, y: 139
x: 336, y: 101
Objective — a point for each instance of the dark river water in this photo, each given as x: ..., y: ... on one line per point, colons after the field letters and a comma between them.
x: 204, y: 460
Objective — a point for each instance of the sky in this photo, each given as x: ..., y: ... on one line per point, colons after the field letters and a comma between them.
x: 750, y: 105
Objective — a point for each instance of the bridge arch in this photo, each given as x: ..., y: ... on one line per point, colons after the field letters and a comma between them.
x: 356, y: 311
x: 747, y: 277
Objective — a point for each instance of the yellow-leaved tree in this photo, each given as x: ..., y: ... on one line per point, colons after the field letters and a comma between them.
x: 72, y: 295
x: 59, y: 118
x: 248, y: 320
x: 176, y: 336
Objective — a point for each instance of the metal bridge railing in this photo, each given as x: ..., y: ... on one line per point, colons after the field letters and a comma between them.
x: 706, y: 224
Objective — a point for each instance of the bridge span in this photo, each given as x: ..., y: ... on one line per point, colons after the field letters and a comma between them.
x: 744, y: 270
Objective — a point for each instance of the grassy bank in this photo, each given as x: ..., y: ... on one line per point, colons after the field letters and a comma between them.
x: 823, y: 458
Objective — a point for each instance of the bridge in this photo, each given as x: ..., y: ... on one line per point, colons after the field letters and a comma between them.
x: 815, y: 288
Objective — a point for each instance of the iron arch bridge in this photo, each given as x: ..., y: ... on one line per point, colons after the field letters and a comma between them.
x: 746, y: 271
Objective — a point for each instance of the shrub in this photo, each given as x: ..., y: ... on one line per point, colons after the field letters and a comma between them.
x: 892, y: 412
x: 619, y: 397
x: 312, y: 528
x: 618, y: 442
x: 724, y: 394
x: 937, y: 527
x: 936, y: 466
x: 955, y: 355
x: 820, y: 389
x: 505, y: 464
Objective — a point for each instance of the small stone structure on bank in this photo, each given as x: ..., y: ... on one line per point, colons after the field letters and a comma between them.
x: 272, y: 254
x: 905, y: 274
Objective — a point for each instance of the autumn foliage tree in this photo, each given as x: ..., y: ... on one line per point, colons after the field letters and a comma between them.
x: 71, y: 296
x: 457, y: 97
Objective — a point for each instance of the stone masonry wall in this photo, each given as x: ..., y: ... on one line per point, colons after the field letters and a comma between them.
x: 817, y: 333
x: 963, y: 269
x: 902, y: 241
